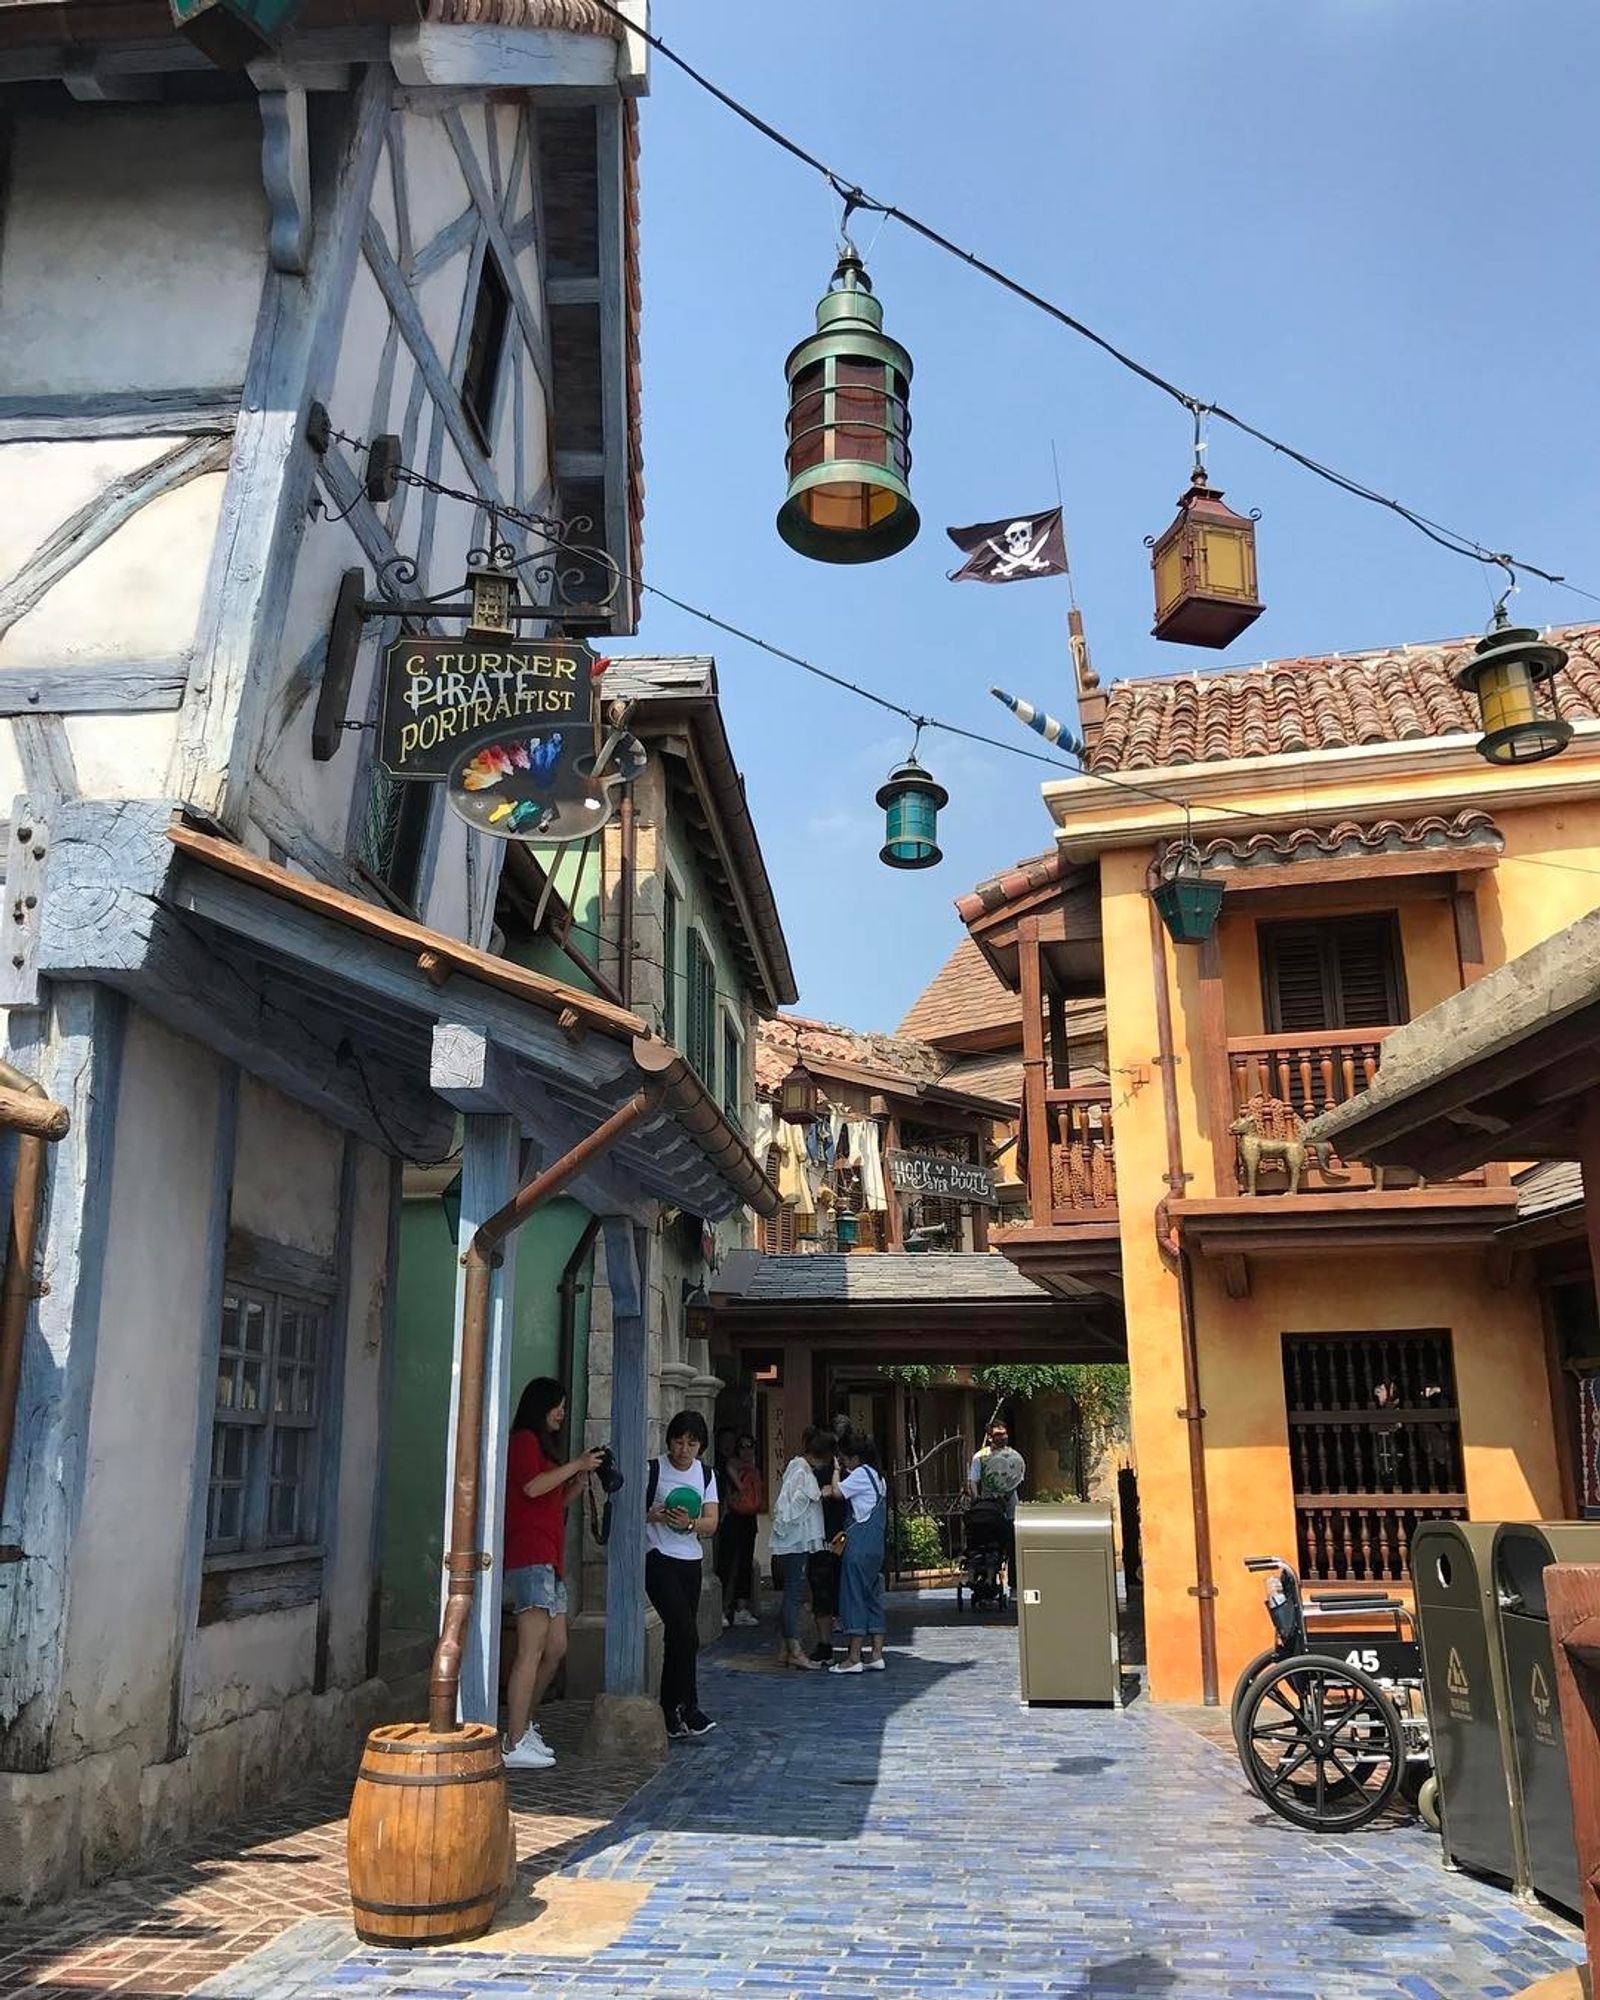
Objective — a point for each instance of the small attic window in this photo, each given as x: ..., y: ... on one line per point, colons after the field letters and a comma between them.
x: 485, y: 344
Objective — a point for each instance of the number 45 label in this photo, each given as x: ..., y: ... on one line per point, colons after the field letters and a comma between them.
x: 1363, y: 1657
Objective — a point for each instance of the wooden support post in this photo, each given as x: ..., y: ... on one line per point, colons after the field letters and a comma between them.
x: 628, y: 1274
x: 897, y: 1215
x: 490, y: 1159
x: 1214, y: 1054
x: 1469, y: 931
x: 1036, y: 1122
x: 1060, y: 1054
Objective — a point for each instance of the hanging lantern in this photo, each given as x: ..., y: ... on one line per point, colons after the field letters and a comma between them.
x: 799, y: 1098
x: 1205, y: 570
x: 1503, y: 675
x: 494, y: 597
x: 1187, y: 900
x: 849, y: 455
x: 844, y: 1230
x: 911, y: 800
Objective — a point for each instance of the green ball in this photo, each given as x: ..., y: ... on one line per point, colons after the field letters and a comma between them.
x: 686, y: 1499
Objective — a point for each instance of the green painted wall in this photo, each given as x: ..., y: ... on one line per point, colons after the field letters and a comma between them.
x: 413, y: 1528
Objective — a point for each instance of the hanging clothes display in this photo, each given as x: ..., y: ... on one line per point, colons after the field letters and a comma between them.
x: 866, y: 1151
x: 794, y: 1170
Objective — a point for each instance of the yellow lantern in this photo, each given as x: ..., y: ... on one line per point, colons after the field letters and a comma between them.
x: 1205, y: 570
x: 1504, y: 674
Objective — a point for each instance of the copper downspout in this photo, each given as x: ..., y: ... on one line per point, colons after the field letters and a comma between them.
x: 25, y: 1110
x: 1204, y: 1588
x: 482, y: 1256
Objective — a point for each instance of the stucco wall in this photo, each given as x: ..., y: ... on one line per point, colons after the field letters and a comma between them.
x: 1497, y: 1335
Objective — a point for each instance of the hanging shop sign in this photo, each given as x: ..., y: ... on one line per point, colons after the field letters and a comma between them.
x: 930, y: 1173
x: 444, y: 699
x: 542, y: 784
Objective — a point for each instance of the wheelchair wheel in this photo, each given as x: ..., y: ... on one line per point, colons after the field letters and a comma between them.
x: 1241, y: 1688
x: 1428, y: 1802
x: 1321, y: 1743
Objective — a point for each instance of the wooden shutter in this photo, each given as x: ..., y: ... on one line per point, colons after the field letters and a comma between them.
x: 669, y: 964
x: 702, y: 1049
x: 1342, y: 973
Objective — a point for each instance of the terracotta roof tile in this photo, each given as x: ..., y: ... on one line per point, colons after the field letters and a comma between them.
x: 787, y: 1037
x: 1334, y: 703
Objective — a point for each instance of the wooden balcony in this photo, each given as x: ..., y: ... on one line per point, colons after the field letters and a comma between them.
x: 1285, y: 1081
x: 1083, y: 1156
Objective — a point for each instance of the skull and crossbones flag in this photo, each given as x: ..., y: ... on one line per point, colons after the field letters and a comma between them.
x: 1010, y: 551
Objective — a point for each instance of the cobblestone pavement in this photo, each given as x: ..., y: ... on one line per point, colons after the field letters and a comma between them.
x: 189, y: 1916
x: 916, y: 1833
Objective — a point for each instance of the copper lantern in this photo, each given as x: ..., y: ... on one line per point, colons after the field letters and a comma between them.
x: 1205, y: 571
x: 1504, y: 675
x: 799, y: 1099
x: 849, y: 456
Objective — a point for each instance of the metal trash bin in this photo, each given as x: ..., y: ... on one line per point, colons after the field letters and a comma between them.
x: 1469, y: 1713
x: 1067, y: 1604
x: 1522, y: 1552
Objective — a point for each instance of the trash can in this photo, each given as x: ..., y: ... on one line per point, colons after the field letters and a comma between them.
x: 1469, y: 1714
x: 1067, y: 1604
x: 1522, y: 1551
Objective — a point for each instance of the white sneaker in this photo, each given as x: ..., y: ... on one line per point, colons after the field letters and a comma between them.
x: 878, y: 1666
x: 848, y: 1667
x: 742, y: 1617
x: 531, y: 1754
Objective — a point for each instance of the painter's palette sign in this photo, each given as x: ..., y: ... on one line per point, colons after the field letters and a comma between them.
x: 443, y: 699
x: 931, y: 1173
x: 522, y: 786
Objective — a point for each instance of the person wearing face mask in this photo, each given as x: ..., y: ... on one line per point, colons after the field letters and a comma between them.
x: 681, y: 1511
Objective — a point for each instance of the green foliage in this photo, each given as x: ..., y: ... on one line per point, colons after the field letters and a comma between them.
x: 918, y: 1543
x: 913, y: 1374
x: 1099, y: 1388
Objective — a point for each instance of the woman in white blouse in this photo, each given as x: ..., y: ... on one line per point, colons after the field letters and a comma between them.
x: 797, y: 1535
x: 861, y: 1610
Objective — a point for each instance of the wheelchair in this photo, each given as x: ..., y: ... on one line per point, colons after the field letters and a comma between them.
x: 1329, y: 1723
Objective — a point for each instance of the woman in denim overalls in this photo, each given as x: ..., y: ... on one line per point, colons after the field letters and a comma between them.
x: 861, y: 1616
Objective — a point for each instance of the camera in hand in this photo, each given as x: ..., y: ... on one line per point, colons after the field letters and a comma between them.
x: 608, y: 1472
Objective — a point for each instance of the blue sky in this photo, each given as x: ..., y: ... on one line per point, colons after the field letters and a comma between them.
x: 1366, y: 225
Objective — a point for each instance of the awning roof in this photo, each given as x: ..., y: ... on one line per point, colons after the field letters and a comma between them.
x: 390, y: 1028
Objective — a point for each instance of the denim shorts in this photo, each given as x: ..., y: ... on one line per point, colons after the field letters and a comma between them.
x: 537, y: 1588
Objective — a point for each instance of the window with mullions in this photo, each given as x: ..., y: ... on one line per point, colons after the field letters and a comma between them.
x: 264, y: 1434
x: 732, y: 1066
x: 480, y: 375
x: 393, y: 834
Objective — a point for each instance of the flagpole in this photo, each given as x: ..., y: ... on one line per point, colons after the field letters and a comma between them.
x: 1085, y: 681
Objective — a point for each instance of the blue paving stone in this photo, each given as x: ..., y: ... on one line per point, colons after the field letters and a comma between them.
x: 918, y: 1833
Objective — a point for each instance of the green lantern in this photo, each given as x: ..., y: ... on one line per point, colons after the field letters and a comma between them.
x: 844, y: 1231
x: 911, y: 800
x: 1187, y: 900
x: 1504, y: 675
x: 849, y: 457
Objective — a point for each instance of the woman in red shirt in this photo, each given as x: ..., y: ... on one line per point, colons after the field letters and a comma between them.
x: 539, y: 1489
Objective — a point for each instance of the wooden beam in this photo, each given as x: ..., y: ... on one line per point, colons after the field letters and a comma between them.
x: 1212, y: 1055
x: 119, y: 414
x: 1469, y: 933
x: 286, y: 175
x: 28, y: 844
x: 117, y: 687
x: 1441, y: 863
x: 531, y: 322
x: 483, y: 56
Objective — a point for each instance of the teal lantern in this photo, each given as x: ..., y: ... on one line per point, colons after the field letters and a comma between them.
x: 1187, y: 899
x: 911, y: 800
x: 844, y: 1231
x: 849, y: 457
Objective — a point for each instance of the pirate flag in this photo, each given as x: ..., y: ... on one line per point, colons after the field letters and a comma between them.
x: 1010, y: 551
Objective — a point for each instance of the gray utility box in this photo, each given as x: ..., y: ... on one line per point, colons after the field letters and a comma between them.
x: 1469, y: 1713
x: 1067, y: 1604
x: 1522, y: 1553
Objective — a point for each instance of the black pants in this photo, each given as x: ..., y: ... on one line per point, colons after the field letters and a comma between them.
x: 673, y: 1588
x: 736, y: 1564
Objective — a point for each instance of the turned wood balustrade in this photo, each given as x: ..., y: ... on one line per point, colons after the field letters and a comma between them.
x: 1083, y: 1160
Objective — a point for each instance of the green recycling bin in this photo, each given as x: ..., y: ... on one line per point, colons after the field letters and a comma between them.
x: 1522, y: 1552
x: 1067, y: 1604
x: 1469, y: 1713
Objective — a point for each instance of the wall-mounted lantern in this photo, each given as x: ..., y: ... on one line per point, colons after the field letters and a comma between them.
x: 844, y: 1230
x: 911, y: 801
x: 1507, y: 668
x: 1205, y: 570
x: 849, y: 457
x: 799, y: 1098
x: 1187, y: 900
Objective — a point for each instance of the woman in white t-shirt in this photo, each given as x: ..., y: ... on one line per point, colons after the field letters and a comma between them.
x: 680, y: 1517
x: 861, y: 1614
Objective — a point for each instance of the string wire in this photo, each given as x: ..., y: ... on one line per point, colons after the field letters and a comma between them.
x: 855, y: 197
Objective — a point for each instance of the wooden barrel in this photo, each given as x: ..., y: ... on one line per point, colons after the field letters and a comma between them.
x: 431, y: 1848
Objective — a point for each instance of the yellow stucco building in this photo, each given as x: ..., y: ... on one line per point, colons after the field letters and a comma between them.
x: 1314, y: 1371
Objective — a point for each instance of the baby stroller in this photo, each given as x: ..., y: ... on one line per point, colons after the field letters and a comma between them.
x: 984, y: 1555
